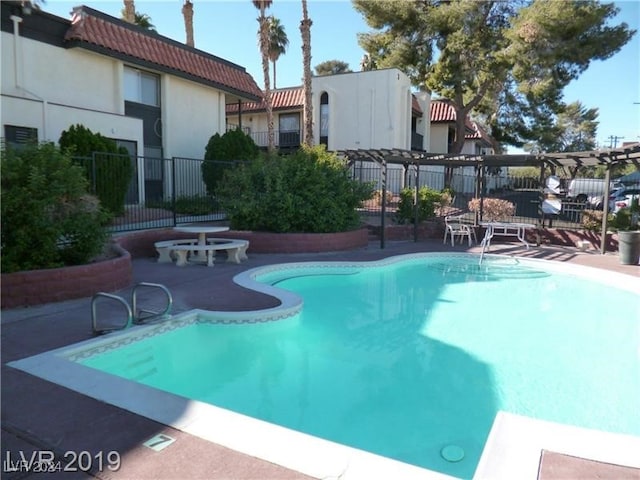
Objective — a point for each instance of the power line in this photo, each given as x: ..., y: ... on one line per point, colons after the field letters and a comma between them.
x: 613, y: 140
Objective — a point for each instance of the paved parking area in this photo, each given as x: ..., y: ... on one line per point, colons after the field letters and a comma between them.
x: 38, y: 416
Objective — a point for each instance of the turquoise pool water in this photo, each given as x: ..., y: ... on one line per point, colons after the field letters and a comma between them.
x: 407, y: 358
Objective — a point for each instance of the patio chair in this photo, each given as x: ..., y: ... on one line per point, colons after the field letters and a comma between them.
x: 454, y: 227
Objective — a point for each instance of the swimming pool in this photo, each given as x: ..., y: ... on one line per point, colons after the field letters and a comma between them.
x: 415, y: 362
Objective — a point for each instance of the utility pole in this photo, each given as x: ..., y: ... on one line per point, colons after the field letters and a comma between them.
x: 613, y: 141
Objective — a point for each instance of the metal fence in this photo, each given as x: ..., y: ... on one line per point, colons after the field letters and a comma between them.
x: 161, y: 192
x: 165, y: 192
x: 569, y: 204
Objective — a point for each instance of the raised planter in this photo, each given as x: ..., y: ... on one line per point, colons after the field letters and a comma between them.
x: 35, y: 287
x: 267, y: 242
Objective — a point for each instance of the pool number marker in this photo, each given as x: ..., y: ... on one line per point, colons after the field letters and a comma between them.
x: 159, y: 442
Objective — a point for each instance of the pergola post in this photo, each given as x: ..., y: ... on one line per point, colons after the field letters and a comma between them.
x: 477, y: 193
x: 605, y: 209
x: 541, y: 196
x: 415, y: 213
x: 383, y: 210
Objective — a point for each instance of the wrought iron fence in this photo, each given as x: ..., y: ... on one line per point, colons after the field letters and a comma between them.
x: 160, y: 192
x: 164, y: 192
x: 534, y: 202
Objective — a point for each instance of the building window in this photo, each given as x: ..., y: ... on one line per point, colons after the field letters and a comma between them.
x: 141, y: 87
x: 18, y: 137
x: 324, y: 118
x: 289, y: 135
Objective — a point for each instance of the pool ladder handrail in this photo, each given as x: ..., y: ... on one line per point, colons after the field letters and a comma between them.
x: 138, y: 318
x: 134, y: 315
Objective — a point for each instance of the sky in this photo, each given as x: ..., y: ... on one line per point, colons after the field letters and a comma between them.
x: 228, y: 29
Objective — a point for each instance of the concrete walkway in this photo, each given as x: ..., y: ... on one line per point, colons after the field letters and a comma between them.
x: 40, y: 416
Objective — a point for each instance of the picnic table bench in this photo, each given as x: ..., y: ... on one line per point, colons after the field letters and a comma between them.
x: 236, y: 250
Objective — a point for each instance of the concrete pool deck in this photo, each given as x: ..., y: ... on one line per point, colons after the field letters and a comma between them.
x: 40, y: 416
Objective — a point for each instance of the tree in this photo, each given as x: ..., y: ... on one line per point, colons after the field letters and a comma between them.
x: 278, y: 43
x: 573, y: 130
x: 506, y: 61
x: 263, y: 41
x: 331, y: 67
x: 144, y: 21
x: 305, y: 31
x: 223, y: 152
x: 107, y: 166
x: 187, y: 13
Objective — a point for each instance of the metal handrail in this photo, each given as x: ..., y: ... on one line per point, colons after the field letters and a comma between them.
x: 134, y: 302
x: 120, y: 300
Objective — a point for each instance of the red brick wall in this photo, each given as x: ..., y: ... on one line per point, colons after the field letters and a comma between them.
x: 57, y: 284
x: 140, y: 244
x: 36, y: 287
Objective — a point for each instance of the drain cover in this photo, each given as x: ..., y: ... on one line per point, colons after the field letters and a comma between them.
x: 452, y: 453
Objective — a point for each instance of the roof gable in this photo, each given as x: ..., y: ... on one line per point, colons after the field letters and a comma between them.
x: 104, y: 34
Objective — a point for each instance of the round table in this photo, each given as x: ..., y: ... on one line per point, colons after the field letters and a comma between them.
x: 202, y: 231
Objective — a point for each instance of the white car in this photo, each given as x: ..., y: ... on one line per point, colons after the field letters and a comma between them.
x: 622, y: 198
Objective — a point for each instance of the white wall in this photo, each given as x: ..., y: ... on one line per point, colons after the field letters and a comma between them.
x: 190, y: 116
x: 423, y: 126
x: 56, y: 88
x: 439, y: 138
x: 366, y: 109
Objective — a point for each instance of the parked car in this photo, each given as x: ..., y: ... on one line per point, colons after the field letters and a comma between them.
x: 589, y: 189
x: 623, y: 197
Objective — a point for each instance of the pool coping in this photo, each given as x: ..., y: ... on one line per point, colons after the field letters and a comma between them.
x: 304, y: 453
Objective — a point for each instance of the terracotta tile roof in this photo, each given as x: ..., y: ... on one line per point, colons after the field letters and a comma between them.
x: 281, y: 99
x: 99, y: 32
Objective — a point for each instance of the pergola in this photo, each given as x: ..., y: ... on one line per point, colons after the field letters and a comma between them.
x: 569, y: 160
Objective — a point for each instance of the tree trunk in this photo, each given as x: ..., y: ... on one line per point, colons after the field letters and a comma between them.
x: 187, y: 13
x: 129, y: 12
x: 305, y: 30
x: 264, y: 50
x: 274, y: 74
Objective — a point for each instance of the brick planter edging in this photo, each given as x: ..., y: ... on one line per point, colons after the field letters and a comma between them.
x: 140, y: 244
x: 35, y: 287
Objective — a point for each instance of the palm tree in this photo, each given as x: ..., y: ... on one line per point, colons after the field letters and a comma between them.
x: 143, y: 20
x: 278, y: 43
x: 305, y: 31
x: 129, y: 11
x: 262, y: 5
x: 187, y: 13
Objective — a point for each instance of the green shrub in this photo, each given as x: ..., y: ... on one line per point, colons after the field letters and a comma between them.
x: 48, y: 219
x: 222, y: 152
x: 107, y: 167
x: 427, y: 201
x: 188, y: 205
x: 309, y: 191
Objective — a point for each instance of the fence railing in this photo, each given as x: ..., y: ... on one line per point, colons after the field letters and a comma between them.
x: 164, y: 192
x: 283, y: 138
